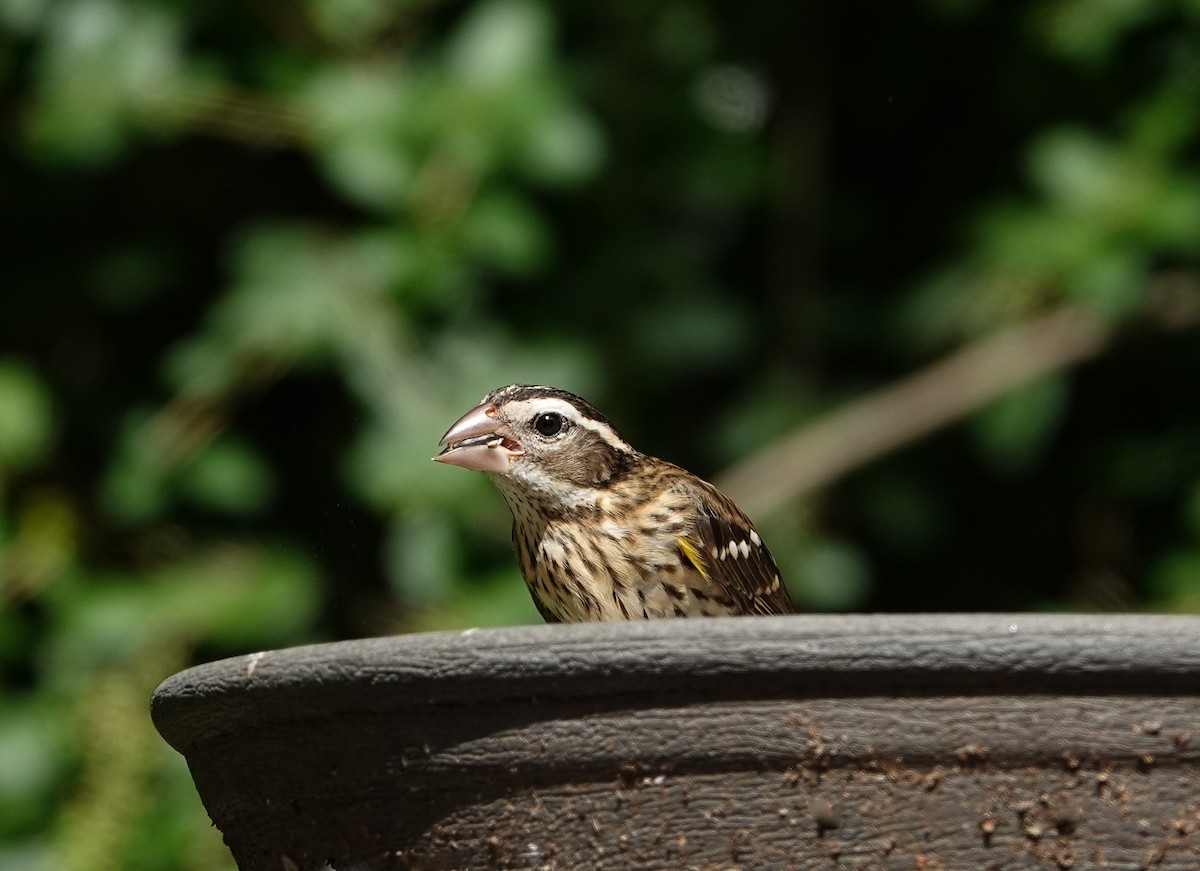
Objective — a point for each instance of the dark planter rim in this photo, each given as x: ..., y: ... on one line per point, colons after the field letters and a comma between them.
x: 759, y: 657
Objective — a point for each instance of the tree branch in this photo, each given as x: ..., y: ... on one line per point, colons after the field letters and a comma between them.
x: 814, y: 456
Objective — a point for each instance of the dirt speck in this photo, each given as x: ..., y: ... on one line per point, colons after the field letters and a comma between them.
x: 971, y: 754
x: 824, y: 815
x: 1066, y: 818
x: 1064, y: 857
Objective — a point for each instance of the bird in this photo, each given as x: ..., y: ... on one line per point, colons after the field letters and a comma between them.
x: 602, y: 531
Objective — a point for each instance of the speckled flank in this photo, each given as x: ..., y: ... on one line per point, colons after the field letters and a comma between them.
x: 580, y: 567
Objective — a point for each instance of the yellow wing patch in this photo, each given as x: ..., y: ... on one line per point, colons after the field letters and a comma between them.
x: 693, y: 556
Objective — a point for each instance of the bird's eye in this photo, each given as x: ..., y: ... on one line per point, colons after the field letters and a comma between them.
x: 549, y: 424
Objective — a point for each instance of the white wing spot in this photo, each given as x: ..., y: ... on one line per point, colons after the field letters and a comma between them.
x: 745, y: 549
x: 754, y: 538
x: 716, y: 554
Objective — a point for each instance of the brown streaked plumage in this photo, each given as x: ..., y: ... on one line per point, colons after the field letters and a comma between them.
x: 603, y: 531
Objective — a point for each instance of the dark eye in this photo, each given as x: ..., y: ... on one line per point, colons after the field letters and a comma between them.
x: 549, y: 424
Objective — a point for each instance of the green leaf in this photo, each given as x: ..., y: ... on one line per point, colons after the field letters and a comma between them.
x: 1112, y: 284
x: 423, y: 559
x: 562, y: 146
x: 503, y: 230
x: 35, y: 749
x: 1175, y: 582
x: 235, y: 595
x: 1191, y: 511
x: 106, y: 66
x: 833, y: 576
x: 1089, y: 30
x: 1074, y: 168
x: 1154, y: 465
x: 499, y: 43
x: 135, y: 487
x: 26, y: 416
x: 228, y: 475
x: 1015, y: 430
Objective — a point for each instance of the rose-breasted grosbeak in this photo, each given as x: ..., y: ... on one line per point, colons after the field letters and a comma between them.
x: 602, y: 531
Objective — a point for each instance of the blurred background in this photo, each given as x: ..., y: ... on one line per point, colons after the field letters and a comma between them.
x: 918, y: 283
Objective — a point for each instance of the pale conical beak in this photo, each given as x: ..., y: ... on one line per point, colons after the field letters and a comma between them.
x: 477, y: 440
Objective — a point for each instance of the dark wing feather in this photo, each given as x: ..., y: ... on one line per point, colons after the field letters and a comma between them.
x: 547, y: 615
x: 735, y: 557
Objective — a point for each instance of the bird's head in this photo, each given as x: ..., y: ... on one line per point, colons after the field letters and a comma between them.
x: 550, y: 444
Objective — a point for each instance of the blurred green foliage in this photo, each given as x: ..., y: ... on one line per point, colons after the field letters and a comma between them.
x: 259, y: 256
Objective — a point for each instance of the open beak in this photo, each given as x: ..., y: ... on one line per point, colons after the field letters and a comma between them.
x: 477, y: 440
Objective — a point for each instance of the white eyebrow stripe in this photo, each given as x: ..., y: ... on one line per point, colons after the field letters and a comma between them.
x: 542, y: 405
x: 605, y: 433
